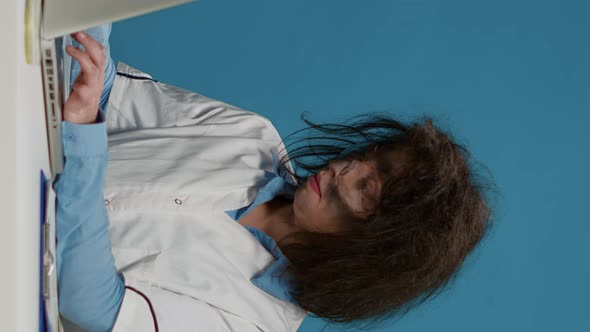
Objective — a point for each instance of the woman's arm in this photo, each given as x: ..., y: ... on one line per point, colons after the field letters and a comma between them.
x: 90, y: 290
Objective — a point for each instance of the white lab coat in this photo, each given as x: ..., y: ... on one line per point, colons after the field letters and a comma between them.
x: 178, y: 161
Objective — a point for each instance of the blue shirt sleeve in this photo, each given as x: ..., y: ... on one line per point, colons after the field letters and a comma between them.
x: 90, y: 290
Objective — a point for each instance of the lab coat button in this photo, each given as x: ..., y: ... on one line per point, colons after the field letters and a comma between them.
x: 178, y: 201
x: 107, y: 202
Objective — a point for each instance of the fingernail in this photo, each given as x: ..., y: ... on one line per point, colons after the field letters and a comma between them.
x: 81, y: 35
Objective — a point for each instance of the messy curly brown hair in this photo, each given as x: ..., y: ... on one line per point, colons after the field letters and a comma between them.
x: 433, y: 212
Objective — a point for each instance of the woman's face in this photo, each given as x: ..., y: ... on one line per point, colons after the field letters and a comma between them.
x: 349, y: 193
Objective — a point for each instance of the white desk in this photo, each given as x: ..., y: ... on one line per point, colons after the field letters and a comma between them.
x: 24, y: 153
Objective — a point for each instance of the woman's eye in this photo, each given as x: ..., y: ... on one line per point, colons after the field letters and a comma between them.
x: 365, y: 185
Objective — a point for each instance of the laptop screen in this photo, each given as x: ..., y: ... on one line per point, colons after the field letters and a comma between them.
x: 62, y: 17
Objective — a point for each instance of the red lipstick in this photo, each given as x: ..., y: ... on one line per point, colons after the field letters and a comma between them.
x: 315, y: 184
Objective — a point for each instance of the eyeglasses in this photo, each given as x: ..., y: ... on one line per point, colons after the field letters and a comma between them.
x: 347, y: 168
x: 361, y: 200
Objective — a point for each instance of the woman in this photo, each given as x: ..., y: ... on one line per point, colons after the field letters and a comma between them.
x: 213, y: 230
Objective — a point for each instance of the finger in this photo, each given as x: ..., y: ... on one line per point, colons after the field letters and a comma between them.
x: 83, y: 58
x: 93, y: 47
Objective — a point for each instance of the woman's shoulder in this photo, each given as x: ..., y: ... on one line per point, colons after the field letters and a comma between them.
x: 139, y: 101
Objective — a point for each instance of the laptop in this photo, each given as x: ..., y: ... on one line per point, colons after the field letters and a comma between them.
x: 60, y: 18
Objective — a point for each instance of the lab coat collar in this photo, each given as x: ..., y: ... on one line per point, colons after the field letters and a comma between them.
x: 273, y: 279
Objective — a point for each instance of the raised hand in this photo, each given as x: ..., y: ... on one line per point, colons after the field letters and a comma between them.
x: 82, y: 105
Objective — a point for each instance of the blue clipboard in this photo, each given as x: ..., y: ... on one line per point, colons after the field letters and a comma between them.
x: 48, y: 305
x: 42, y: 322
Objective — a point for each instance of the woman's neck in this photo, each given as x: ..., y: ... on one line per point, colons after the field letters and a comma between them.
x: 275, y: 218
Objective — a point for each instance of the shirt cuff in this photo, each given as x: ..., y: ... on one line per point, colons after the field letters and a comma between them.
x: 85, y: 139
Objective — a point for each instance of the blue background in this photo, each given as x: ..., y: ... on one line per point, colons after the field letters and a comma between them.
x: 510, y: 79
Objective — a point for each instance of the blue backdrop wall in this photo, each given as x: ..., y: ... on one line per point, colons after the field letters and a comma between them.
x: 510, y: 79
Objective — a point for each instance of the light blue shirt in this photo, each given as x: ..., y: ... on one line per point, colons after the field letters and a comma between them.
x: 90, y: 290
